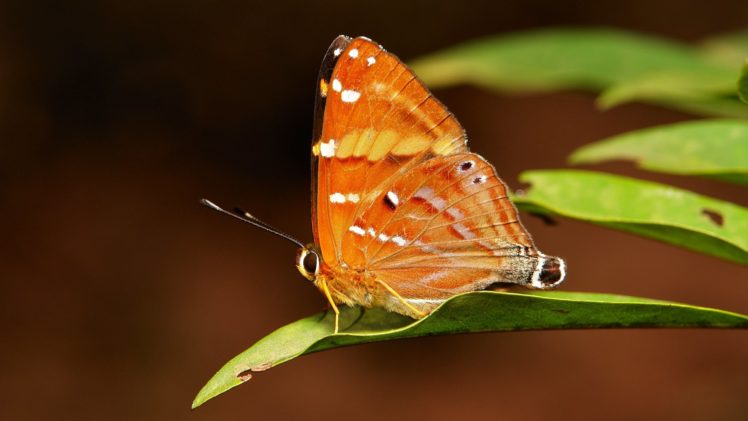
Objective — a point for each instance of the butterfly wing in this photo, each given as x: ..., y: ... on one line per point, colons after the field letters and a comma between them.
x: 323, y: 83
x: 453, y: 230
x: 396, y: 192
x: 378, y: 121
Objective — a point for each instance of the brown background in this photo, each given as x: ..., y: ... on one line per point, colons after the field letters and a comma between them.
x: 121, y: 296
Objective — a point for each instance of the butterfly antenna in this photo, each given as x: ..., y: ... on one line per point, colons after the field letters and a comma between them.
x: 252, y: 220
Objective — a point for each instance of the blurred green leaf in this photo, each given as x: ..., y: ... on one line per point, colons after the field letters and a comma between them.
x: 473, y: 312
x: 743, y: 83
x: 665, y: 213
x: 730, y: 49
x: 627, y: 66
x: 555, y: 58
x: 715, y: 148
x: 705, y: 93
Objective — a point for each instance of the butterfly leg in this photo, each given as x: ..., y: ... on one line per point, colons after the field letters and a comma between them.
x: 399, y: 297
x: 332, y: 303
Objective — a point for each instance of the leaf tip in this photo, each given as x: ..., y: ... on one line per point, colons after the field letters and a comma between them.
x: 196, y: 402
x: 576, y: 157
x: 609, y: 99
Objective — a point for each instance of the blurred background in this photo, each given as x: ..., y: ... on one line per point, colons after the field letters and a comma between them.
x: 121, y: 296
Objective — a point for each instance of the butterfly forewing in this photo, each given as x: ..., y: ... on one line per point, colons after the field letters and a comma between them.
x: 378, y: 121
x: 397, y: 194
x: 328, y: 66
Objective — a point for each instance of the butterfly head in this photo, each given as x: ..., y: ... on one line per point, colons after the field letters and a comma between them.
x: 308, y: 262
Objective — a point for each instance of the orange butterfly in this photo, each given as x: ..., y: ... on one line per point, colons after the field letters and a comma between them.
x: 404, y: 215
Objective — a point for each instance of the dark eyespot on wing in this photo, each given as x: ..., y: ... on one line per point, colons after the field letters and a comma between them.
x: 552, y: 272
x: 464, y: 166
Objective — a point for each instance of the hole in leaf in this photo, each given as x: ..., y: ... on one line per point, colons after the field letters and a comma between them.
x: 714, y: 216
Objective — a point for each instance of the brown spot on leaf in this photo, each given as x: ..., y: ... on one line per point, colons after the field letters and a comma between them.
x: 244, y: 375
x: 262, y: 367
x: 560, y: 311
x: 714, y: 216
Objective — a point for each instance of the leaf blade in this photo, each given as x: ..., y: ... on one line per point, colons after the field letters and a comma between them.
x: 743, y: 83
x: 473, y: 312
x: 632, y: 66
x: 730, y: 49
x: 714, y: 148
x: 657, y: 211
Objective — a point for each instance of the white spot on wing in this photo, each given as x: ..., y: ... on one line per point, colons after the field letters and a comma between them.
x: 327, y: 149
x: 350, y: 95
x: 383, y: 237
x: 427, y: 194
x: 371, y: 232
x: 353, y: 53
x: 356, y: 230
x: 337, y: 198
x: 426, y: 247
x: 370, y: 61
x: 464, y: 231
x: 336, y: 85
x: 480, y: 179
x: 424, y: 193
x: 400, y: 241
x: 455, y: 213
x: 438, y: 203
x: 562, y: 270
x: 353, y: 197
x: 392, y: 197
x: 434, y: 276
x: 535, y: 280
x: 337, y: 52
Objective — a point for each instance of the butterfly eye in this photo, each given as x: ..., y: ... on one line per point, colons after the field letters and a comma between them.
x: 308, y: 263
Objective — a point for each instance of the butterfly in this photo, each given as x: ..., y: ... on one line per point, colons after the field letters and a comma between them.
x: 404, y: 215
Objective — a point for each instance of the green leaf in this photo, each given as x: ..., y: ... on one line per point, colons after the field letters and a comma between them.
x: 658, y: 211
x: 730, y: 49
x: 743, y: 83
x: 473, y: 312
x: 714, y: 148
x: 630, y: 66
x: 556, y: 58
x: 710, y: 92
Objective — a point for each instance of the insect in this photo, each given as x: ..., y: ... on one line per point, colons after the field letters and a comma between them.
x: 404, y: 215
